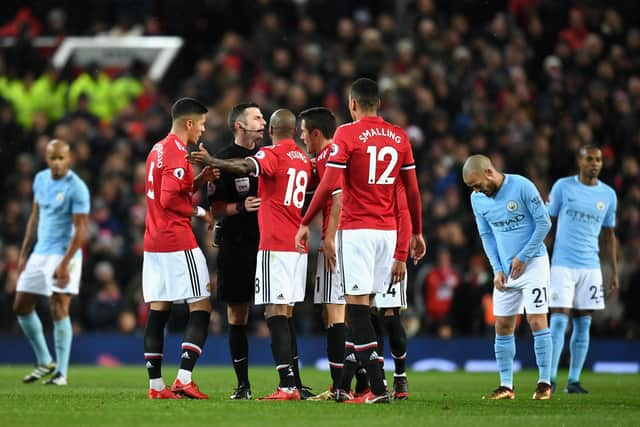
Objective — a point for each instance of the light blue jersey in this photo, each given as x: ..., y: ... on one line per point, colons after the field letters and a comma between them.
x: 512, y: 223
x: 582, y: 211
x: 58, y: 200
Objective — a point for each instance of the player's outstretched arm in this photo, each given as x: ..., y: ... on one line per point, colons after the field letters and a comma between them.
x: 29, y: 237
x: 234, y: 166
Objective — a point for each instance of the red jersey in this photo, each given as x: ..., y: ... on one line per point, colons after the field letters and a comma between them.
x: 374, y: 152
x: 321, y: 164
x: 169, y: 188
x: 403, y: 221
x: 284, y: 171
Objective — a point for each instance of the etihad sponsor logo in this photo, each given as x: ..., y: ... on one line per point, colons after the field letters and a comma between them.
x: 364, y: 136
x: 584, y: 217
x: 509, y: 222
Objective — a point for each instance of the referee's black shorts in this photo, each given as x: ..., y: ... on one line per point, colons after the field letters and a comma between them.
x: 237, y: 273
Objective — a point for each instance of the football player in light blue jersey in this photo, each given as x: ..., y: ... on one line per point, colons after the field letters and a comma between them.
x: 60, y: 220
x: 513, y: 222
x: 583, y: 207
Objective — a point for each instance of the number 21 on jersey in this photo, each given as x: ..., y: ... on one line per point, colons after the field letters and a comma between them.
x: 376, y: 156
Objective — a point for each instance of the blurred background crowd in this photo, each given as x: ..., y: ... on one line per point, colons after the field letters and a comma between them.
x: 525, y: 81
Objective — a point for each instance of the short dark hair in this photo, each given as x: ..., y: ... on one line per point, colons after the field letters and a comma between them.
x: 186, y: 107
x: 365, y: 92
x: 320, y: 118
x: 583, y: 150
x: 237, y: 111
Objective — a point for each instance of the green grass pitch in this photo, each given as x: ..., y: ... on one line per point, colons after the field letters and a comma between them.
x: 117, y: 397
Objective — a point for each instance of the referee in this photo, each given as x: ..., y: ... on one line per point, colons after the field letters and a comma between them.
x: 237, y: 236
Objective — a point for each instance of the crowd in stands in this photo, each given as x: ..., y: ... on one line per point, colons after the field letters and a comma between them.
x: 527, y: 82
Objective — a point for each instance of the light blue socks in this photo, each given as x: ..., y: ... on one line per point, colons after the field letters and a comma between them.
x: 559, y: 323
x: 62, y: 336
x: 32, y: 328
x: 505, y: 349
x: 579, y: 346
x: 542, y: 345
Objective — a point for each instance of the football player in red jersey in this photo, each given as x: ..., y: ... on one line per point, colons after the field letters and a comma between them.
x: 283, y: 171
x: 174, y: 268
x: 317, y: 126
x: 371, y: 154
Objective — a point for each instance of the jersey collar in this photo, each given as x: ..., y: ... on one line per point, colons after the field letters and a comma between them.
x: 175, y: 137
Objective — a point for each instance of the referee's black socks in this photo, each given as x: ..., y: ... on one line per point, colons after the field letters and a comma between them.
x: 281, y: 349
x: 239, y: 347
x: 365, y: 344
x: 154, y: 342
x: 194, y: 338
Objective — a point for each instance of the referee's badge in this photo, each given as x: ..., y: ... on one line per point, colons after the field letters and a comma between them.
x: 60, y: 197
x: 512, y: 205
x: 600, y: 205
x: 242, y: 185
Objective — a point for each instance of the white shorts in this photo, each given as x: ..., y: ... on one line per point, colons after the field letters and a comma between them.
x: 365, y: 257
x: 180, y: 276
x: 579, y: 288
x: 37, y: 277
x: 281, y: 277
x: 528, y: 291
x: 394, y: 296
x: 328, y: 287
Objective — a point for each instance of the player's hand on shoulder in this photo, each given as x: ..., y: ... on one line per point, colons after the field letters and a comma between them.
x: 417, y: 248
x: 500, y: 281
x: 252, y: 204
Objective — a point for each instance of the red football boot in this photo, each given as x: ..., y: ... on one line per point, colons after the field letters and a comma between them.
x: 283, y: 394
x: 189, y: 390
x: 370, y: 398
x: 165, y: 393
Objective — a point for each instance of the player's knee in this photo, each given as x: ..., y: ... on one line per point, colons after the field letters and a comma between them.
x: 335, y: 313
x: 537, y: 322
x: 238, y: 314
x: 22, y: 306
x: 275, y: 310
x: 203, y: 304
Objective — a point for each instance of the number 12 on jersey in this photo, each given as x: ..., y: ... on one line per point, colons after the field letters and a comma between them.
x: 376, y: 156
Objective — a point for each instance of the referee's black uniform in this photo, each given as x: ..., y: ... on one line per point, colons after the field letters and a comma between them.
x: 239, y: 235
